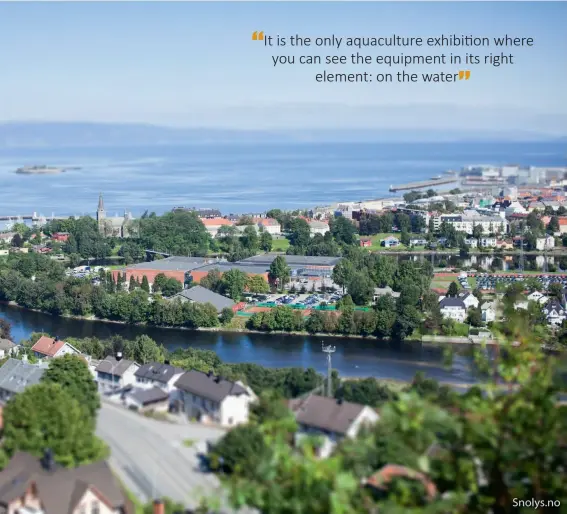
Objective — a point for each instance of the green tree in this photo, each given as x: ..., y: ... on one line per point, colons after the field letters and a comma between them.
x: 366, y: 392
x: 47, y: 416
x: 240, y: 450
x: 279, y: 270
x: 266, y: 241
x: 145, y: 284
x: 249, y: 239
x: 257, y: 284
x: 343, y: 230
x: 213, y: 280
x: 342, y: 273
x: 72, y: 373
x: 360, y: 288
x: 234, y: 282
x: 453, y: 290
x: 226, y: 315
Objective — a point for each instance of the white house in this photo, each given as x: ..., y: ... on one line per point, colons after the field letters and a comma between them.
x: 554, y: 312
x: 114, y: 373
x: 488, y: 310
x: 330, y: 419
x: 488, y: 242
x: 318, y: 227
x: 390, y: 242
x: 163, y: 376
x: 538, y: 297
x: 453, y: 308
x: 545, y: 243
x: 48, y: 348
x: 472, y: 242
x: 469, y: 299
x: 269, y: 225
x: 214, y: 224
x: 8, y: 348
x: 211, y: 398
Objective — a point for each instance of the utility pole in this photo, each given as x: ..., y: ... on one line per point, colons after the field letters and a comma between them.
x: 329, y: 350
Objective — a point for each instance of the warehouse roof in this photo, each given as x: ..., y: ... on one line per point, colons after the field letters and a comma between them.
x: 246, y: 267
x: 200, y: 294
x: 173, y: 264
x: 293, y: 260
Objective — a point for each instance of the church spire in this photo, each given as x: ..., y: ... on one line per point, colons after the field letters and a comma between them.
x: 100, y: 202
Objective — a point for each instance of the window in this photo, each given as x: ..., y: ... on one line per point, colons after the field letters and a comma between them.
x: 95, y: 507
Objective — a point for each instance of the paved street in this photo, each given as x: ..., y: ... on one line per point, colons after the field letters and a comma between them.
x: 150, y: 458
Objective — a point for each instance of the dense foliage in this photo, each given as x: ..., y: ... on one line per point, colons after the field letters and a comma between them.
x: 475, y: 453
x: 72, y: 373
x: 48, y: 416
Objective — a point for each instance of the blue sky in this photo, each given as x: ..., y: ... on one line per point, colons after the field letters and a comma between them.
x: 194, y: 63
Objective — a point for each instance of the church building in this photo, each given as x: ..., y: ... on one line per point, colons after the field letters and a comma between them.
x: 114, y: 226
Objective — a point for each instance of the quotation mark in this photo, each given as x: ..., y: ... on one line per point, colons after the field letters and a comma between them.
x: 464, y: 75
x: 257, y: 36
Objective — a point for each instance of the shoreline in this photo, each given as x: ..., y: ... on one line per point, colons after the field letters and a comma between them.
x: 455, y: 341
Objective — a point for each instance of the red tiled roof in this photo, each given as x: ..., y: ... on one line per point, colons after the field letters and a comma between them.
x: 47, y: 346
x: 266, y: 221
x: 213, y: 222
x: 382, y: 478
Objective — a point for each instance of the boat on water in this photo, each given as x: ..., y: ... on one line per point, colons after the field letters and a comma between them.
x: 42, y: 170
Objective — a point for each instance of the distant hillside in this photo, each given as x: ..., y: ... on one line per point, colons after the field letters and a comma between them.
x: 70, y: 134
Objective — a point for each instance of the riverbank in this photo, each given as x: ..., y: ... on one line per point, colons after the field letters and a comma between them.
x: 239, y: 330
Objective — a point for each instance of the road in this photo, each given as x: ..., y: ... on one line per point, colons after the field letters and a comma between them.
x: 150, y: 458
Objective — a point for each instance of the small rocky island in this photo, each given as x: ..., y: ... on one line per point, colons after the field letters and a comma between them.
x: 42, y: 170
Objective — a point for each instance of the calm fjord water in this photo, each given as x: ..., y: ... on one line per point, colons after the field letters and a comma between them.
x: 239, y: 177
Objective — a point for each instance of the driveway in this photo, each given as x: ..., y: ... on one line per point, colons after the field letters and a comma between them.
x: 150, y: 458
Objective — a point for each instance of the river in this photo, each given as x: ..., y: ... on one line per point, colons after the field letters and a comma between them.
x: 353, y: 357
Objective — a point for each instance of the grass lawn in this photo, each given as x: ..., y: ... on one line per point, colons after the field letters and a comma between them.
x: 280, y: 245
x: 376, y: 243
x: 472, y: 282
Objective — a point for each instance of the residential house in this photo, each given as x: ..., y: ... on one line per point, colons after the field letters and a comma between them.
x: 554, y: 312
x: 16, y: 375
x: 469, y: 299
x: 538, y: 297
x: 453, y: 308
x: 269, y: 225
x: 29, y: 485
x: 488, y: 242
x: 330, y: 419
x: 472, y: 242
x: 488, y: 310
x: 562, y: 225
x: 318, y: 227
x: 211, y: 398
x: 214, y: 224
x: 545, y: 243
x: 365, y: 243
x: 113, y: 373
x: 390, y: 242
x: 7, y: 348
x: 383, y: 291
x: 49, y: 348
x: 61, y: 237
x: 418, y: 242
x: 143, y: 400
x: 163, y: 376
x: 200, y: 294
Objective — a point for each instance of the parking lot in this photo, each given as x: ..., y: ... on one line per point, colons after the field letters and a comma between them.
x: 487, y: 281
x: 306, y: 300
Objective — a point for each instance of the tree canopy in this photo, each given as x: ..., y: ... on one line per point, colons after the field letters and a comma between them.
x: 47, y: 416
x: 72, y: 373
